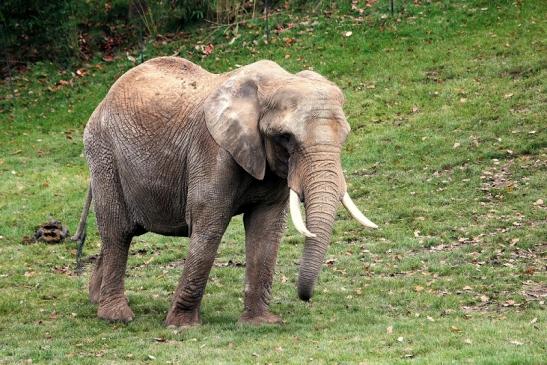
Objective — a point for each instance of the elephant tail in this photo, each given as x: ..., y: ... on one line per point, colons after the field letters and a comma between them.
x: 82, y: 228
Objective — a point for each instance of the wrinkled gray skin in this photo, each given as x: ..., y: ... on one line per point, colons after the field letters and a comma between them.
x: 176, y: 150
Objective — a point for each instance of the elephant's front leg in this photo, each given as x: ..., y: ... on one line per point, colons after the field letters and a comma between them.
x: 264, y: 228
x: 204, y: 243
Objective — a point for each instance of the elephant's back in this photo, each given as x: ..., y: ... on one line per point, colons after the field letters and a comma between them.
x: 174, y: 67
x: 158, y: 99
x: 163, y: 85
x: 173, y: 72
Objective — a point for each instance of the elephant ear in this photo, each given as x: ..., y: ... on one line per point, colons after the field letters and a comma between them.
x: 231, y: 114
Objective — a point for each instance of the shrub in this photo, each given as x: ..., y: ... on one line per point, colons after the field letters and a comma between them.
x: 37, y: 29
x: 66, y: 31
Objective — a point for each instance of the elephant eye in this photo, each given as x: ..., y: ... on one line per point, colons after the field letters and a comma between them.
x: 283, y: 139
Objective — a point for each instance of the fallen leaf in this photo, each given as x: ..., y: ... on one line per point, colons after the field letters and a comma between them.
x: 534, y: 320
x: 456, y: 145
x: 516, y: 342
x: 108, y: 58
x: 389, y: 330
x: 455, y: 329
x: 208, y: 49
x: 468, y: 341
x: 289, y: 41
x: 418, y: 288
x: 484, y: 298
x: 400, y: 339
x: 348, y: 34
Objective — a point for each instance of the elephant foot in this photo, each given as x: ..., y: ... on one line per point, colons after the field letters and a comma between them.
x: 182, y: 319
x: 257, y: 320
x: 116, y: 311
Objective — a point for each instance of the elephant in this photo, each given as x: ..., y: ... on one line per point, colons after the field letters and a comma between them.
x: 176, y: 150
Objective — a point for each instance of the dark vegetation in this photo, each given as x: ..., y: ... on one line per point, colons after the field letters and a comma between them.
x: 70, y: 32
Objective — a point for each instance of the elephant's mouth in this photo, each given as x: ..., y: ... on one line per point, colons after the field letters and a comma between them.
x: 311, y: 179
x: 298, y: 221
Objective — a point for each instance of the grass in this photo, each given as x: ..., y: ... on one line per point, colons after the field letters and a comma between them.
x: 447, y: 154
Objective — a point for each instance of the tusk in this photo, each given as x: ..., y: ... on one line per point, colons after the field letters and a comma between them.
x: 296, y: 215
x: 356, y: 213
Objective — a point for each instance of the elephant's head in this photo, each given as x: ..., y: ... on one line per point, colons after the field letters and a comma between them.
x: 294, y: 125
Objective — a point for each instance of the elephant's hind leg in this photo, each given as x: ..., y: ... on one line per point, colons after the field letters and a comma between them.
x: 116, y: 230
x: 113, y: 305
x: 96, y: 281
x: 264, y: 228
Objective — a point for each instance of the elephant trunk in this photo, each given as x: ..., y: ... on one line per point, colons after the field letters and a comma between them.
x: 322, y: 187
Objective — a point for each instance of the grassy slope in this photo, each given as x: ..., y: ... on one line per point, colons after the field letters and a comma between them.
x: 447, y: 154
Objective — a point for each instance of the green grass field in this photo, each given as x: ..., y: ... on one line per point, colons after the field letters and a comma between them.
x: 448, y: 154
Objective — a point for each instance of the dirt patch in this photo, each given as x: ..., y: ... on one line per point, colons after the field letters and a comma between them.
x: 497, y: 179
x: 519, y: 72
x: 229, y: 263
x: 174, y: 264
x: 462, y: 241
x: 533, y: 291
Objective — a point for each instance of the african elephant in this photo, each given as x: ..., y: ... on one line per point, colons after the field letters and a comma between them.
x: 176, y: 150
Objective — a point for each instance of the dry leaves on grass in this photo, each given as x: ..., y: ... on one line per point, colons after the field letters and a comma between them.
x: 534, y: 291
x: 498, y: 177
x: 229, y: 263
x: 205, y: 49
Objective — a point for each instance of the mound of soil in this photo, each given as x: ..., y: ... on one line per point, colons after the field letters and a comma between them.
x: 49, y: 232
